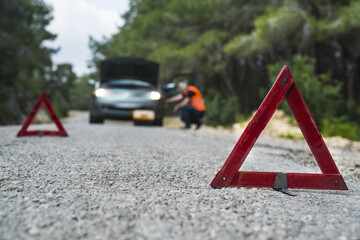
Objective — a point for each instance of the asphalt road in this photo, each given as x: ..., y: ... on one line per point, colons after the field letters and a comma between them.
x: 118, y: 181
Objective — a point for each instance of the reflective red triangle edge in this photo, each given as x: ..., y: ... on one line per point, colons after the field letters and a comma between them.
x: 42, y: 99
x: 284, y: 86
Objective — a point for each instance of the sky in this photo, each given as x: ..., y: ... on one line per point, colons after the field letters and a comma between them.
x: 75, y: 20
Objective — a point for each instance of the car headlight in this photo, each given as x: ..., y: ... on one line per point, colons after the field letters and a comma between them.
x: 154, y: 95
x: 100, y: 92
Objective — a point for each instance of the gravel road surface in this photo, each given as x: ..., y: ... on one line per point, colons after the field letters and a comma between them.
x: 118, y: 181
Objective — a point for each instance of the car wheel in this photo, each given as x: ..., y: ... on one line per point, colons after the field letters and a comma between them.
x: 158, y: 122
x: 93, y: 119
x: 137, y: 122
x: 142, y: 123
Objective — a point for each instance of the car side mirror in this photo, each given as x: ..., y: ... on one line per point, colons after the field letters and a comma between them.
x: 170, y: 90
x: 169, y: 86
x: 92, y: 82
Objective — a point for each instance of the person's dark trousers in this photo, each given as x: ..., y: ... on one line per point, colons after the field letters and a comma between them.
x: 191, y: 115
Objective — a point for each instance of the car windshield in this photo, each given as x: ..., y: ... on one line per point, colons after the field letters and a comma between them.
x: 128, y: 83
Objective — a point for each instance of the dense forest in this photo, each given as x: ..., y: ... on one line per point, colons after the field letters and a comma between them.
x: 26, y: 67
x: 234, y: 48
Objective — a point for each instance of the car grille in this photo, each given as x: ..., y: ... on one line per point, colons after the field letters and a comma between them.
x: 126, y: 107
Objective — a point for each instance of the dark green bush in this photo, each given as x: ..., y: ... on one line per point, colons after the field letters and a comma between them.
x: 221, y: 109
x: 60, y: 105
x: 80, y: 94
x: 321, y: 94
x: 5, y: 112
x: 341, y: 126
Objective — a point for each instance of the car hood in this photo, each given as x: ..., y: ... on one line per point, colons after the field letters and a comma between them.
x: 129, y: 68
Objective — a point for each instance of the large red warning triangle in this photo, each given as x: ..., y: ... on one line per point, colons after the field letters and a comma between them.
x: 230, y: 176
x: 42, y: 99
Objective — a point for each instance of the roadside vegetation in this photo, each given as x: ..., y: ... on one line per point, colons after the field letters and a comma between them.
x: 235, y: 48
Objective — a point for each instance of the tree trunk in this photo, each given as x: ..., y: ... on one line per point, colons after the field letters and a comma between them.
x: 228, y: 75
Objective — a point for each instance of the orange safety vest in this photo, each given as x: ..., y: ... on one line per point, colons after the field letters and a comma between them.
x: 197, y: 100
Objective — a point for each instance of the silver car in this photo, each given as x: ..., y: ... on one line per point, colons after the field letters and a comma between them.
x: 127, y: 90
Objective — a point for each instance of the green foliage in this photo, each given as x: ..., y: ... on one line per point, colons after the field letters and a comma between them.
x: 58, y: 87
x: 61, y: 107
x: 341, y: 126
x: 5, y: 112
x: 353, y: 111
x: 80, y: 94
x: 227, y: 44
x: 181, y: 35
x: 275, y: 27
x: 221, y: 109
x: 347, y: 19
x: 321, y: 94
x: 291, y: 136
x: 25, y: 61
x: 245, y: 46
x: 294, y: 27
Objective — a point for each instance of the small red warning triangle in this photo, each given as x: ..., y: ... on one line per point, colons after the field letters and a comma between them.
x: 42, y: 99
x: 230, y: 176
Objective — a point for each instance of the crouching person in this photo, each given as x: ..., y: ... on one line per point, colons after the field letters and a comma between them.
x: 192, y: 105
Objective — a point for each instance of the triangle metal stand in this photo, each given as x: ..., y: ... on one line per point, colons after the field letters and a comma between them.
x: 42, y: 99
